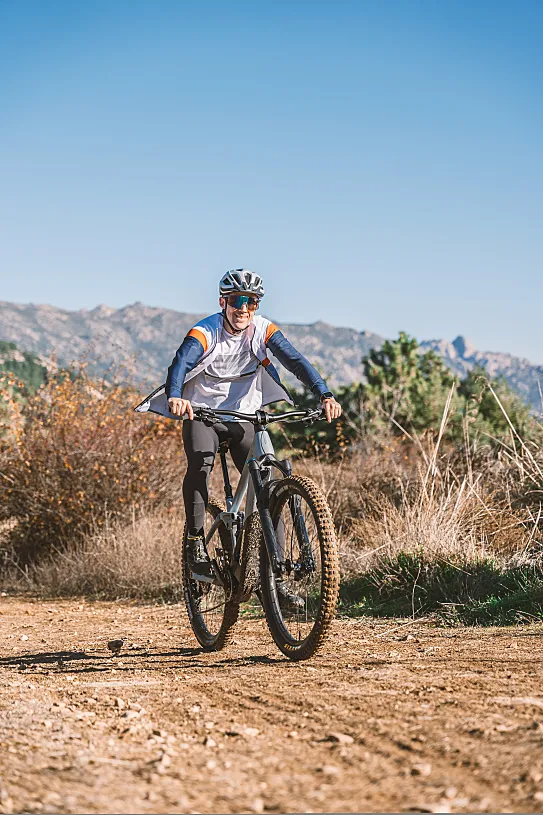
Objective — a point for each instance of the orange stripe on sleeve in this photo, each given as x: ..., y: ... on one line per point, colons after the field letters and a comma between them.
x: 200, y: 336
x: 272, y: 328
x: 266, y: 362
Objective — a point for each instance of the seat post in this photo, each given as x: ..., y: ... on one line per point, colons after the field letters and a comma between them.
x: 224, y: 466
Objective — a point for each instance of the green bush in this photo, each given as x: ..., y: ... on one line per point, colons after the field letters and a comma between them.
x: 27, y: 373
x: 406, y: 393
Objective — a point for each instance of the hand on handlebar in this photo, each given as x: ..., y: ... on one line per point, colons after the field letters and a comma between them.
x: 328, y: 408
x: 331, y: 409
x: 180, y: 406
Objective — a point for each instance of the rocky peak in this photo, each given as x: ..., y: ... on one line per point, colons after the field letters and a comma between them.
x: 464, y: 348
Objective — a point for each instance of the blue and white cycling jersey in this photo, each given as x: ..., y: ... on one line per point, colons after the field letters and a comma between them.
x: 215, y: 369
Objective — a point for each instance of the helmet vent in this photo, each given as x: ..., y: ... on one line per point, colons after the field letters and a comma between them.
x: 241, y: 280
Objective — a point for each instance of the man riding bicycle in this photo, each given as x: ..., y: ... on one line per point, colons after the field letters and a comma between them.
x: 223, y: 364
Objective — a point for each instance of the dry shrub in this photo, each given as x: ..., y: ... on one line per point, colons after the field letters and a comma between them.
x: 75, y: 454
x: 356, y: 484
x: 443, y: 505
x: 457, y: 526
x: 79, y: 467
x: 139, y: 559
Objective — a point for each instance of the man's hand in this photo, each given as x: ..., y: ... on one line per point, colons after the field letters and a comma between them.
x: 332, y: 409
x: 180, y: 406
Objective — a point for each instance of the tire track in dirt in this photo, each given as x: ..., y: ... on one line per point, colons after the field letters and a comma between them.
x: 435, y: 720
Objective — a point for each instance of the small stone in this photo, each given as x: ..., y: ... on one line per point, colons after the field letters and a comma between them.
x: 209, y: 725
x: 450, y: 792
x: 251, y: 732
x: 115, y: 646
x: 120, y: 703
x: 161, y: 733
x: 195, y: 709
x: 339, y: 738
x: 24, y: 637
x: 131, y: 714
x: 209, y: 742
x: 538, y: 796
x: 410, y: 638
x: 421, y: 769
x: 329, y: 770
x: 257, y: 805
x: 293, y: 734
x: 211, y: 764
x: 135, y: 705
x: 535, y: 776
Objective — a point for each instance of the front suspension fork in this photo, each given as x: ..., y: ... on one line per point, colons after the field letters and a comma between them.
x: 270, y: 538
x: 295, y: 506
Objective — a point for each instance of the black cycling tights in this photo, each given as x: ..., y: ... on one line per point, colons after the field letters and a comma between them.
x: 201, y: 444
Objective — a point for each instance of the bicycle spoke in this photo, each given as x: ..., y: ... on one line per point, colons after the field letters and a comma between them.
x: 300, y: 605
x: 211, y: 613
x: 299, y: 619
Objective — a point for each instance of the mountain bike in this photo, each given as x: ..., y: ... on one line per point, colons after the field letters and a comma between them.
x: 281, y: 545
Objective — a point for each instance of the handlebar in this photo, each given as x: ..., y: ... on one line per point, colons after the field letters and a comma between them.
x: 260, y: 417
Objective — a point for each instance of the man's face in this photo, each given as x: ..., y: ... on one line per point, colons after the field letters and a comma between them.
x: 239, y: 317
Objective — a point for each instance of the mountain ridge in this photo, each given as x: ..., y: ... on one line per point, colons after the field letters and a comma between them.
x: 144, y: 339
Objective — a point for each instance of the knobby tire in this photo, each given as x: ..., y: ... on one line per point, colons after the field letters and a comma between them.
x: 306, y: 489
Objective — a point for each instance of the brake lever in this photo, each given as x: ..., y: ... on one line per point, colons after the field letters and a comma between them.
x: 315, y: 415
x: 202, y: 413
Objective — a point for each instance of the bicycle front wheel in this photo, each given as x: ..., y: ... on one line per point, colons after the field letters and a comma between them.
x: 212, y: 612
x: 301, y: 606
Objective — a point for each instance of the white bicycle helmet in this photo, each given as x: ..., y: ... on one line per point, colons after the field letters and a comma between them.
x: 241, y: 281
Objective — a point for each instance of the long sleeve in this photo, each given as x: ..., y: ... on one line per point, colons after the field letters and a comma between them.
x: 296, y: 363
x: 188, y: 354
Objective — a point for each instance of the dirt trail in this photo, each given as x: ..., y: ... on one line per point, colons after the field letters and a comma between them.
x: 413, y: 718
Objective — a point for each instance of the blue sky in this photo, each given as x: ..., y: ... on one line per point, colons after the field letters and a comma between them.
x: 379, y: 163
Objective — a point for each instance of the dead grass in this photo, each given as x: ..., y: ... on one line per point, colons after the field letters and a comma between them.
x: 411, y: 497
x: 140, y: 559
x: 383, y: 512
x: 399, y: 501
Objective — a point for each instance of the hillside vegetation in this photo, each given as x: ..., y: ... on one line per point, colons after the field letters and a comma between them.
x: 145, y: 338
x: 436, y: 487
x: 20, y: 369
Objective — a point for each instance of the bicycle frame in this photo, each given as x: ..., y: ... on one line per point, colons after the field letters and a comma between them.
x: 255, y: 476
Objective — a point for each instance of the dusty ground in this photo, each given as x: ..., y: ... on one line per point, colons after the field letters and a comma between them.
x: 387, y: 718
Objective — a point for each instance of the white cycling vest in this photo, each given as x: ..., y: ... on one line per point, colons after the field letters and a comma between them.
x: 261, y: 383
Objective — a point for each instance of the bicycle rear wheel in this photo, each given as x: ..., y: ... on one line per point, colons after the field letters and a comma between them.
x: 212, y: 612
x: 307, y: 543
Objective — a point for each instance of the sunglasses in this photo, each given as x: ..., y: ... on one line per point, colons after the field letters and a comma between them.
x: 240, y: 300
